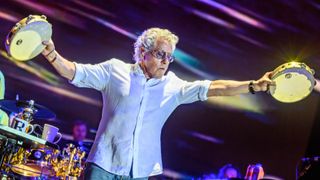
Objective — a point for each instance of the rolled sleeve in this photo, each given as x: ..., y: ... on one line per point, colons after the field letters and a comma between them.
x: 78, y: 74
x: 194, y: 91
x: 203, y: 90
x: 92, y: 76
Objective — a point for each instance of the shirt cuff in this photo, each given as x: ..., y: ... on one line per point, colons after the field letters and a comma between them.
x: 203, y: 93
x: 78, y: 75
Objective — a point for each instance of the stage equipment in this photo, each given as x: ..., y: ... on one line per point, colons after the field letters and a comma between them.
x: 24, y: 41
x: 294, y: 82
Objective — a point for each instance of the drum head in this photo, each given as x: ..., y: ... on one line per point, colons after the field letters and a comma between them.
x: 27, y: 42
x: 291, y: 87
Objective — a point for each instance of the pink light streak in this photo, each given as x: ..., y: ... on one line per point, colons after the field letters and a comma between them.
x: 236, y: 14
x: 116, y: 28
x: 55, y: 13
x: 205, y: 137
x: 104, y: 22
x: 250, y: 40
x: 211, y: 18
x: 8, y: 17
x: 92, y: 7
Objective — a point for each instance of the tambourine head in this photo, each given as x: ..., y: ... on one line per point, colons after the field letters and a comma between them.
x: 294, y: 82
x: 25, y: 42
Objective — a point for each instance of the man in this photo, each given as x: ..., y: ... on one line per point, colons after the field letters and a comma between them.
x: 79, y: 134
x: 137, y: 100
x: 79, y: 131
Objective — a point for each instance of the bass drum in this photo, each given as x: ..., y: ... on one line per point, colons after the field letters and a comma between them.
x: 24, y: 41
x: 294, y: 82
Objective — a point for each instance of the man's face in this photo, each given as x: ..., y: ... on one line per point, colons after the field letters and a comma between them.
x: 79, y: 132
x: 156, y: 61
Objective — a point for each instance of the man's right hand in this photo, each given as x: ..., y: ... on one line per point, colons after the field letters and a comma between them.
x: 49, y: 52
x: 64, y: 67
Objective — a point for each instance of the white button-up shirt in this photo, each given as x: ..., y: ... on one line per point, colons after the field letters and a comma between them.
x: 134, y: 112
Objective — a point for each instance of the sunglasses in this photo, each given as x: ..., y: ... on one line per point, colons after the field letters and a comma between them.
x: 162, y: 55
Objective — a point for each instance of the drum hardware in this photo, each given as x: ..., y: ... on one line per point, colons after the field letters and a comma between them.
x: 23, y: 161
x: 35, y: 163
x: 38, y: 160
x: 25, y: 155
x: 27, y: 110
x: 294, y: 82
x: 71, y: 165
x: 23, y: 112
x: 8, y: 153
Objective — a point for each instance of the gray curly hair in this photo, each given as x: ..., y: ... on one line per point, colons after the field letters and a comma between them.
x: 149, y: 37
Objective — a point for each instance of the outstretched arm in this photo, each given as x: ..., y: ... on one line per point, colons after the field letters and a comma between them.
x: 64, y: 67
x: 230, y: 87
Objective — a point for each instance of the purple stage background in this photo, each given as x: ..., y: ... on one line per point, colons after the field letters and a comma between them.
x: 218, y: 39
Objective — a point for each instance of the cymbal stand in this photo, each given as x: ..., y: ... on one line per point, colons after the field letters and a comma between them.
x: 29, y: 111
x: 7, y: 149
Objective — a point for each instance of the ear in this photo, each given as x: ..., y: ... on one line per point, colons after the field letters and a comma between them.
x: 142, y: 52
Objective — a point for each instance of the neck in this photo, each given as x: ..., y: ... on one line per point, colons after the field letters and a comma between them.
x: 145, y: 71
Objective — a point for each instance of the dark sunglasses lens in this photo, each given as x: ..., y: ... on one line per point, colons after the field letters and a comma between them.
x: 161, y: 55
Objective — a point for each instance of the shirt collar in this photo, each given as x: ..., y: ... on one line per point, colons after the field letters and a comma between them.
x: 136, y: 69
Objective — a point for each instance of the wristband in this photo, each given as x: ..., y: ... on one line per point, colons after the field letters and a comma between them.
x: 53, y: 59
x: 250, y: 87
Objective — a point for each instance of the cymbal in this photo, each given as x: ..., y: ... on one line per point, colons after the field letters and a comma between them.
x: 42, y: 113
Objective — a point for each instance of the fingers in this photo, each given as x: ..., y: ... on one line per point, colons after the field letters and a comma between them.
x: 265, y: 88
x: 269, y: 81
x: 268, y: 74
x: 48, y: 43
x: 45, y: 43
x: 49, y: 47
x: 267, y: 78
x: 265, y: 82
x: 273, y: 83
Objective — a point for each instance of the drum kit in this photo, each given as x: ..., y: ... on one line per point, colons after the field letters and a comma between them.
x: 24, y: 155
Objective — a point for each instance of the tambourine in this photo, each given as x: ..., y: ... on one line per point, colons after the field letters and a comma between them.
x: 24, y: 41
x: 294, y: 82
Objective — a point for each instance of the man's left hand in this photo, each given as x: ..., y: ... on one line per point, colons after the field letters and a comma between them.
x: 264, y: 82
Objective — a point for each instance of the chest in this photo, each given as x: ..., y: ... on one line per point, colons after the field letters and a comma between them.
x: 132, y: 91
